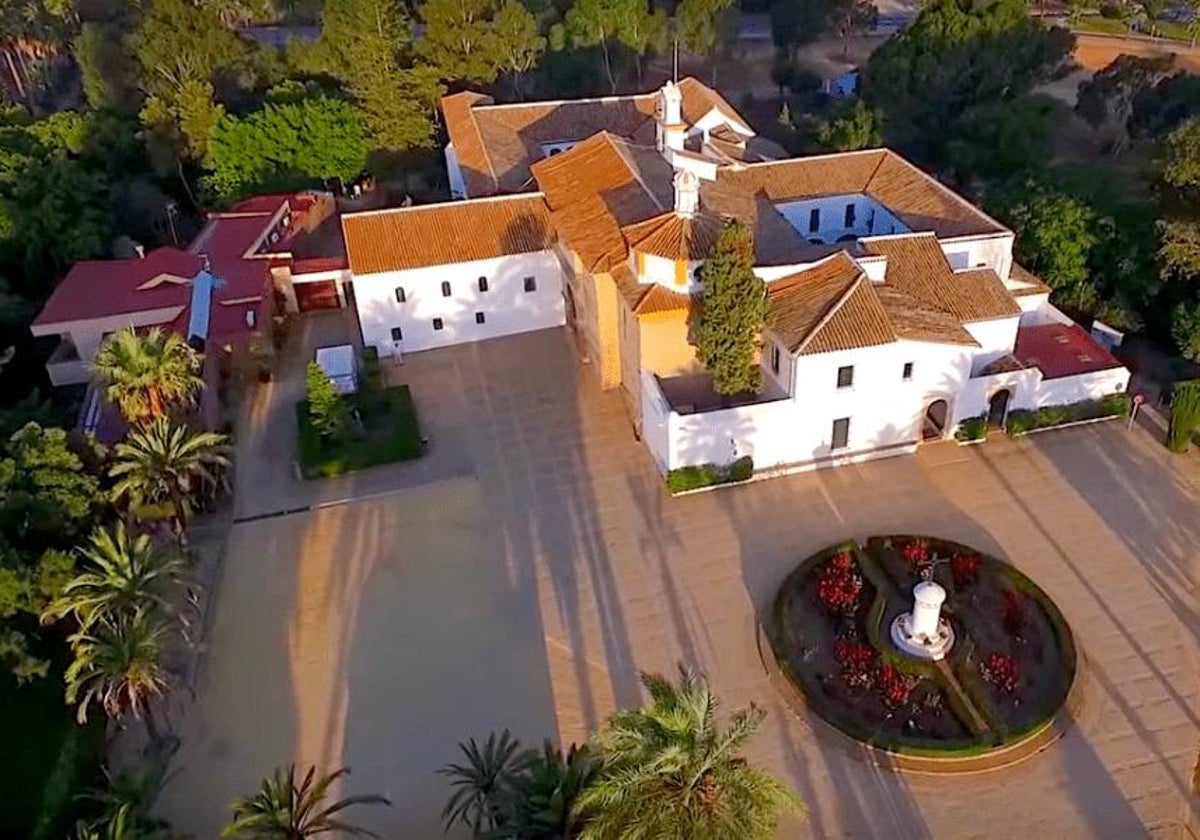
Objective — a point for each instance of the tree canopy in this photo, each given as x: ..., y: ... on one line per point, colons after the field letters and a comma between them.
x: 731, y: 320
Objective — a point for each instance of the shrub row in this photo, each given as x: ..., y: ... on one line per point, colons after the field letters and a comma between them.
x: 707, y: 475
x: 973, y: 428
x: 1023, y: 421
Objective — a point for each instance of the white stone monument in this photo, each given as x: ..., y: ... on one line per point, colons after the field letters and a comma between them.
x: 923, y: 632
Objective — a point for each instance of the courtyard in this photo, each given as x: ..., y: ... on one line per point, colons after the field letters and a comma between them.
x: 526, y: 571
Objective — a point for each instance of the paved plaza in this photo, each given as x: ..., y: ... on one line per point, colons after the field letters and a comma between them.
x: 526, y: 574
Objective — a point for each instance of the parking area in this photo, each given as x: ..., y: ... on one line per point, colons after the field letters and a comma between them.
x: 526, y: 581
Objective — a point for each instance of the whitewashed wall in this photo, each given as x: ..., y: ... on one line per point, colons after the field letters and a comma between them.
x: 1088, y: 386
x: 833, y: 217
x: 996, y: 338
x: 994, y: 252
x: 458, y: 186
x: 507, y: 307
x: 656, y: 422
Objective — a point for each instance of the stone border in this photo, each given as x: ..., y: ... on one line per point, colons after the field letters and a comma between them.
x: 1007, y: 755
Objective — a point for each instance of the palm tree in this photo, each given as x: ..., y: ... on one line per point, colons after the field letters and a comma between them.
x: 281, y: 808
x: 668, y: 771
x: 540, y: 804
x: 115, y: 826
x: 481, y: 784
x: 147, y: 375
x: 118, y: 664
x: 165, y: 463
x: 125, y: 575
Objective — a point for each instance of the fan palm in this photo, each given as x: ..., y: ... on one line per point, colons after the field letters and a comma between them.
x: 124, y: 575
x: 167, y: 463
x: 118, y: 664
x: 481, y: 784
x: 283, y: 808
x: 669, y: 772
x: 147, y: 374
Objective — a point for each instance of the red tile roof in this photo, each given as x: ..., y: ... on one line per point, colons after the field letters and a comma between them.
x: 104, y: 288
x: 1059, y: 350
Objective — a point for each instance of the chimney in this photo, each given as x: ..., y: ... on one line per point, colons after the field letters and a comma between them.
x: 671, y: 128
x: 687, y: 193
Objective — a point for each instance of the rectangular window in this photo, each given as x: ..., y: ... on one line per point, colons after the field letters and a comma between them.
x: 400, y: 296
x: 445, y: 289
x: 437, y: 323
x: 531, y: 284
x: 841, y: 433
x: 775, y: 358
x: 483, y: 284
x: 849, y: 216
x: 814, y: 220
x: 397, y: 335
x: 908, y: 370
x: 846, y: 376
x: 479, y: 318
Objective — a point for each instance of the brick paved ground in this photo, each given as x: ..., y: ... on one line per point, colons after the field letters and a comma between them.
x: 380, y: 632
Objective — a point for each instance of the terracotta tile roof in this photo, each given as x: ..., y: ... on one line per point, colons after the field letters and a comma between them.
x: 440, y: 234
x: 659, y: 299
x: 675, y: 237
x: 914, y: 321
x: 827, y: 307
x: 1022, y: 281
x: 458, y: 111
x: 699, y: 99
x: 776, y: 242
x: 1059, y: 350
x: 917, y: 266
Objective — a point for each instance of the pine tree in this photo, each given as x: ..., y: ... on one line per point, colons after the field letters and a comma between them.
x: 735, y: 308
x: 326, y: 411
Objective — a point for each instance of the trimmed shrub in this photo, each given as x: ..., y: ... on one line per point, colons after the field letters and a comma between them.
x: 1023, y: 421
x: 707, y: 475
x: 1185, y: 415
x: 973, y: 428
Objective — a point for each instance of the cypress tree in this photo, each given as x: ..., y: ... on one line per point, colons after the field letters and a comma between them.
x: 735, y: 307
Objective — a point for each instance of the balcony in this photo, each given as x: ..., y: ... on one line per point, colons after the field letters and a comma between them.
x: 64, y: 365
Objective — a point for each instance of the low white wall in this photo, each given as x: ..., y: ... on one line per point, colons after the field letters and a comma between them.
x: 763, y: 431
x: 506, y: 306
x: 974, y: 396
x: 1088, y: 386
x: 656, y: 422
x: 458, y: 187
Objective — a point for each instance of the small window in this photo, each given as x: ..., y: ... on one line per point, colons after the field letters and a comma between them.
x: 846, y: 376
x: 483, y: 284
x: 479, y: 318
x: 841, y: 433
x: 908, y: 370
x: 531, y: 284
x: 775, y: 358
x: 814, y: 220
x: 849, y: 216
x: 397, y: 334
x: 400, y: 296
x: 445, y: 288
x: 437, y: 323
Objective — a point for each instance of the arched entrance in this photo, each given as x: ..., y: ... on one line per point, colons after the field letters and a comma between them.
x: 998, y: 408
x: 933, y: 425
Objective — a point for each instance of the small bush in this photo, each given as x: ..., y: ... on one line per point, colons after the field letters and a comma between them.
x: 326, y: 411
x: 1022, y: 421
x: 1110, y: 11
x: 973, y: 428
x: 1185, y: 415
x: 706, y: 475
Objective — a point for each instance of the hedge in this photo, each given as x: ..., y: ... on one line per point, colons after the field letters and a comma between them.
x: 1023, y: 421
x: 973, y: 428
x: 709, y: 475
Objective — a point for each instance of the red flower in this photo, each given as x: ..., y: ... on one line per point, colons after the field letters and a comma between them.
x: 1013, y: 617
x: 857, y: 661
x: 915, y: 552
x: 1001, y: 670
x: 964, y: 567
x: 894, y: 685
x: 839, y: 586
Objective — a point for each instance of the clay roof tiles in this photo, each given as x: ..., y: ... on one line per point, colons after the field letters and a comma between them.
x: 827, y: 307
x: 675, y: 237
x: 437, y: 234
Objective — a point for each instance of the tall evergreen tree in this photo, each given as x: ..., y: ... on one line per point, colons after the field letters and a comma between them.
x: 734, y: 310
x: 519, y: 45
x: 460, y: 39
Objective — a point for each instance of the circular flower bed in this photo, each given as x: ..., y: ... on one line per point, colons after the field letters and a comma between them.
x: 1007, y: 676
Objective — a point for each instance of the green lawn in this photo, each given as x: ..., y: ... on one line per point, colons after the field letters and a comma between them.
x: 47, y: 759
x: 389, y: 432
x: 1108, y: 26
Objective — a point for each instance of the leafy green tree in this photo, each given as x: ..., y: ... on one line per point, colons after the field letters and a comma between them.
x: 669, y: 770
x: 1179, y: 247
x: 604, y: 23
x: 734, y: 311
x: 1055, y: 236
x: 643, y: 30
x: 292, y: 809
x: 519, y: 45
x: 177, y: 41
x: 1107, y: 98
x: 701, y: 25
x: 57, y: 213
x: 1193, y: 22
x: 852, y: 17
x: 147, y: 375
x: 164, y: 463
x: 118, y: 666
x: 460, y: 40
x: 365, y: 44
x: 483, y: 784
x: 1153, y: 10
x: 326, y: 409
x: 1002, y: 139
x: 47, y: 495
x: 109, y: 72
x: 858, y: 127
x: 1185, y: 330
x: 287, y: 145
x: 796, y: 22
x: 1181, y: 163
x: 542, y: 796
x: 122, y: 574
x: 1185, y: 415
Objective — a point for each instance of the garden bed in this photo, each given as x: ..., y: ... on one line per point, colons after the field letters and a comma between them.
x: 384, y: 430
x: 1007, y: 676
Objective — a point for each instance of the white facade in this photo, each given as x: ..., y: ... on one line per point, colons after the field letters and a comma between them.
x: 832, y: 218
x: 410, y: 310
x: 70, y: 363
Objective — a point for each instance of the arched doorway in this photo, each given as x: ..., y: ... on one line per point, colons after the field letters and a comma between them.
x: 998, y: 408
x: 933, y: 425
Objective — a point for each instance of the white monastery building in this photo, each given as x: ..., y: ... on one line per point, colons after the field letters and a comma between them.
x: 895, y: 308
